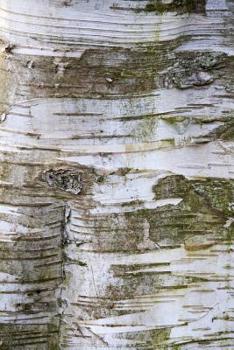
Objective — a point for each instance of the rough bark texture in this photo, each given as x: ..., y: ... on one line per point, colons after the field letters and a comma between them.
x: 116, y: 150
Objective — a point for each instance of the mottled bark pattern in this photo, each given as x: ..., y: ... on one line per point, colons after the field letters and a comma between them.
x: 116, y: 150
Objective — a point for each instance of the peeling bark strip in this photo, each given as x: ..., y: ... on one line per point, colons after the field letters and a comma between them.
x: 116, y: 175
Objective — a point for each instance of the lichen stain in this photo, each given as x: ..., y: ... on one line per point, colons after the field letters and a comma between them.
x: 146, y: 129
x: 7, y: 86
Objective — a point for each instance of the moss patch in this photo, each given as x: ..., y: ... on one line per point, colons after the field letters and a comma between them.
x: 203, y: 212
x: 179, y: 6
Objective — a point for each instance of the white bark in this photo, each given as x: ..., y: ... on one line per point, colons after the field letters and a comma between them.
x: 116, y: 149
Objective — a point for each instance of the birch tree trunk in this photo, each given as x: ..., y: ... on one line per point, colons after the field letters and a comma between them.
x: 116, y: 150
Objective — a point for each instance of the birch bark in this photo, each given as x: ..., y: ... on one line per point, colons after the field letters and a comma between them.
x: 116, y: 151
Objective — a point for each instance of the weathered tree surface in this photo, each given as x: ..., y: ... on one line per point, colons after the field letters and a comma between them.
x: 116, y: 151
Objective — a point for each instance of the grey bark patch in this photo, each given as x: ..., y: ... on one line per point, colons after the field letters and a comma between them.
x: 196, y: 79
x: 66, y: 180
x: 192, y: 70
